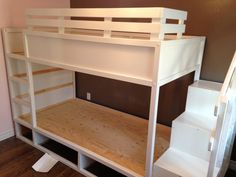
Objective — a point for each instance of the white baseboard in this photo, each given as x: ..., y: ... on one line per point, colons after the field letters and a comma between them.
x: 7, y: 134
x: 232, y: 165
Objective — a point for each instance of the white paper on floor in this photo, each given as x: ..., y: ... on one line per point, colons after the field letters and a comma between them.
x: 45, y: 163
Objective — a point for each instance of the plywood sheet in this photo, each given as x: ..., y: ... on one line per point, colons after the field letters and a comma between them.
x: 117, y: 136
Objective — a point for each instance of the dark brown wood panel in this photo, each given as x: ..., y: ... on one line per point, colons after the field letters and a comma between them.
x: 172, y: 99
x: 135, y: 99
x: 119, y: 95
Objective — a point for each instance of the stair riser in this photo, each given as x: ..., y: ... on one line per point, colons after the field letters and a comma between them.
x: 190, y: 140
x: 201, y: 101
x: 160, y: 172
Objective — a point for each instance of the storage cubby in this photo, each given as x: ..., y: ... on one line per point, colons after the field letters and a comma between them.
x: 92, y: 167
x: 57, y: 148
x: 25, y: 132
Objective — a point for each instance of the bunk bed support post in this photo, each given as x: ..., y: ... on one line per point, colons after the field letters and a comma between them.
x: 200, y: 56
x: 31, y: 83
x: 9, y: 73
x: 152, y: 116
x: 31, y: 93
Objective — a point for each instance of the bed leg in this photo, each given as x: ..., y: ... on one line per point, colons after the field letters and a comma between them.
x: 151, y: 131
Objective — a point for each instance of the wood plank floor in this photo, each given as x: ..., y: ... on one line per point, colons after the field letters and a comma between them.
x: 230, y: 173
x: 17, y: 158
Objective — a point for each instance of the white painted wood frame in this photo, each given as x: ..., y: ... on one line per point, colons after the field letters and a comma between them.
x: 220, y: 155
x: 153, y: 61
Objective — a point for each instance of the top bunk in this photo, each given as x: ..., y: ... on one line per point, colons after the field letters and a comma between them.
x: 143, y: 46
x: 149, y: 24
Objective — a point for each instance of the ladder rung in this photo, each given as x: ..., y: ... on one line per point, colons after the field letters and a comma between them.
x: 21, y: 101
x: 17, y: 56
x: 49, y: 89
x: 39, y: 72
x: 19, y: 79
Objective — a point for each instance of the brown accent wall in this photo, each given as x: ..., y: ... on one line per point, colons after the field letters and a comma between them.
x: 135, y: 99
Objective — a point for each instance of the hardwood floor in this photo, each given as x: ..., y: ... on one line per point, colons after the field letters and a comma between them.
x: 230, y: 173
x: 17, y: 158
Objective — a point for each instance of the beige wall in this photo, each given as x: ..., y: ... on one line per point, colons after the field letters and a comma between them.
x: 12, y: 14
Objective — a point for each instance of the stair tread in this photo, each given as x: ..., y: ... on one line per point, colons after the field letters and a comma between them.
x: 208, y: 85
x: 183, y: 164
x: 197, y: 120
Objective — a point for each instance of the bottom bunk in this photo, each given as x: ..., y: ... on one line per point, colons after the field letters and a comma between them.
x: 114, y: 135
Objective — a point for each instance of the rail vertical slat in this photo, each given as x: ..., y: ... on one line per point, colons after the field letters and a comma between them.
x: 180, y: 34
x: 107, y: 33
x: 162, y: 33
x: 61, y: 29
x: 155, y: 36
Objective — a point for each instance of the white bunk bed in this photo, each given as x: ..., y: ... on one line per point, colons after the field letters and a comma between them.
x: 53, y: 47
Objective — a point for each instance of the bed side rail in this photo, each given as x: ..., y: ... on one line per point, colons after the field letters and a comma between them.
x: 152, y: 21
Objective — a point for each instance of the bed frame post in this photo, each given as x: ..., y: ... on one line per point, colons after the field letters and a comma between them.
x: 152, y: 116
x: 31, y: 83
x: 9, y: 73
x: 31, y: 93
x: 198, y: 69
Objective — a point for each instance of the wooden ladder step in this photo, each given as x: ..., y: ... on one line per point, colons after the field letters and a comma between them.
x: 43, y: 71
x: 19, y: 79
x: 21, y: 101
x: 49, y: 89
x: 17, y: 56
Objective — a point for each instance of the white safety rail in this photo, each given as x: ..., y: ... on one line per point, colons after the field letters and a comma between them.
x: 157, y: 26
x: 228, y: 77
x: 225, y: 127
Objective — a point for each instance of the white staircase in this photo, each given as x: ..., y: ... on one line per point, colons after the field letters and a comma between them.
x: 191, y: 136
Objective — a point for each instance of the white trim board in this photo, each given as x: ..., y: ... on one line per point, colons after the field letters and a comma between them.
x: 7, y: 134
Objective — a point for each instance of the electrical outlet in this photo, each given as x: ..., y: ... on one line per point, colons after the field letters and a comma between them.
x: 88, y: 96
